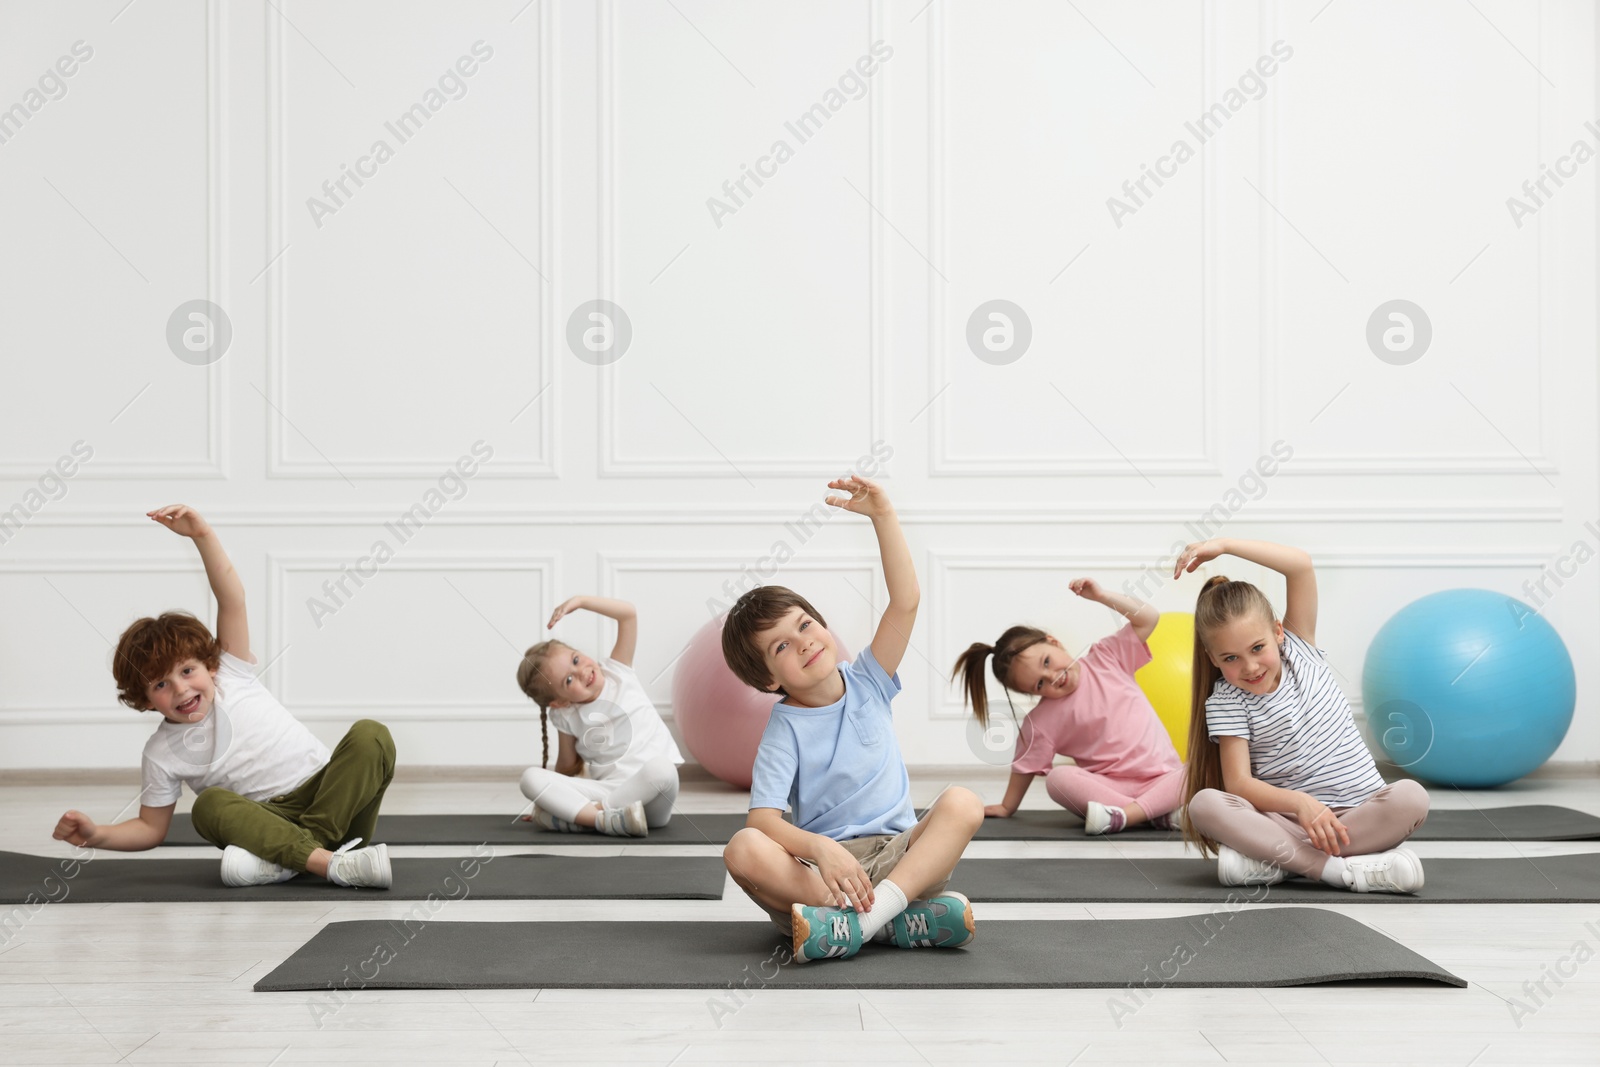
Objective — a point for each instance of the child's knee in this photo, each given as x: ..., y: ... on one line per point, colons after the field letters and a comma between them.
x: 533, y: 782
x: 374, y: 731
x: 1410, y: 797
x: 1206, y: 809
x: 963, y: 804
x: 744, y: 851
x: 208, y: 809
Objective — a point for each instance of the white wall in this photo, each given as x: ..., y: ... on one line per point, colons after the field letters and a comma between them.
x: 827, y: 312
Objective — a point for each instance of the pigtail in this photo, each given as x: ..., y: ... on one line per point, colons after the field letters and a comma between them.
x: 975, y: 691
x: 544, y: 735
x: 969, y: 666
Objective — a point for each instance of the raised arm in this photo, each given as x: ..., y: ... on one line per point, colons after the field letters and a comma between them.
x: 1141, y: 615
x: 1300, y: 577
x: 233, y: 624
x: 621, y: 610
x: 894, y: 629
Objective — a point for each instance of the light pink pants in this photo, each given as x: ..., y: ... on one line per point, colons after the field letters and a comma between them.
x: 1073, y: 788
x: 1388, y: 818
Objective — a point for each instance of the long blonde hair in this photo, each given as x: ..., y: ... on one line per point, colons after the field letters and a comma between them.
x: 1220, y: 602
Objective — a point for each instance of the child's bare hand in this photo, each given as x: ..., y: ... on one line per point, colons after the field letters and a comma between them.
x: 996, y: 811
x: 1195, y: 554
x: 75, y: 828
x: 844, y: 876
x: 866, y: 497
x: 568, y: 605
x: 1087, y: 588
x: 1322, y: 826
x: 181, y: 519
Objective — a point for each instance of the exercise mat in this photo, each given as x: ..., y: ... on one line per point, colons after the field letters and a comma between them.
x: 1265, y: 947
x: 1529, y: 822
x: 1569, y: 879
x: 34, y: 880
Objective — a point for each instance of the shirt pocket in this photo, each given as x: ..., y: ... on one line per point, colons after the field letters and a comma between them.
x: 869, y: 728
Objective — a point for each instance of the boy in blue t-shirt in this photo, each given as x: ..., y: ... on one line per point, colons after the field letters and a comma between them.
x: 854, y: 862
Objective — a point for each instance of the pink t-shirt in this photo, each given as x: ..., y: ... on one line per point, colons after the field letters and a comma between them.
x: 1106, y: 724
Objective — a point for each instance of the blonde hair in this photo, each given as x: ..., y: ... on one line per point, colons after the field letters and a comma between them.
x: 531, y: 680
x: 1220, y: 602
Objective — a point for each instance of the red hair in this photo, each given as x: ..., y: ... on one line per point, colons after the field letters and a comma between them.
x: 150, y: 648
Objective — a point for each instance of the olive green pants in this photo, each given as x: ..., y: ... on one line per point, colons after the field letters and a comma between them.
x: 336, y: 804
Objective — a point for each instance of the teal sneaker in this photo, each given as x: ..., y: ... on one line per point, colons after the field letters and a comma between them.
x: 943, y: 922
x: 822, y: 932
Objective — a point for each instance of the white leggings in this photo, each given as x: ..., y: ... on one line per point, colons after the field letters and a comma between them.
x: 656, y: 784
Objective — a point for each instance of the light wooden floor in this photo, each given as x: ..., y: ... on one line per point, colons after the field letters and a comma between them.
x: 170, y: 983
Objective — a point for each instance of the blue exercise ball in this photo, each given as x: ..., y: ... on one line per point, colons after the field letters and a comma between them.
x: 1469, y: 688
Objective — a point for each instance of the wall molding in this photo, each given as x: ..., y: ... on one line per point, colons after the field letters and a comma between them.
x: 1000, y: 514
x: 612, y: 464
x: 941, y: 462
x: 107, y: 711
x: 1535, y: 462
x: 279, y: 465
x: 280, y: 565
x: 214, y: 465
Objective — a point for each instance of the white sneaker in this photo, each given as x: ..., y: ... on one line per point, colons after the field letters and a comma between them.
x: 365, y: 868
x: 1103, y: 819
x: 241, y: 868
x: 1396, y: 871
x: 547, y: 821
x: 623, y: 822
x: 1235, y: 868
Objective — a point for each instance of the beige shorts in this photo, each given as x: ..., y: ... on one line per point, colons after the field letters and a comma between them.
x: 878, y: 855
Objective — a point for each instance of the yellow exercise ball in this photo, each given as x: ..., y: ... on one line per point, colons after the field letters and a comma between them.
x: 1166, y: 678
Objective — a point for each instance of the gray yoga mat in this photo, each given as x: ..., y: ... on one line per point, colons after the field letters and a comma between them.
x: 1266, y: 947
x: 1531, y: 822
x: 1570, y: 879
x: 26, y: 879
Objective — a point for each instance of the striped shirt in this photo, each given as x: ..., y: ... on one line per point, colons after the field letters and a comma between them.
x: 1302, y: 735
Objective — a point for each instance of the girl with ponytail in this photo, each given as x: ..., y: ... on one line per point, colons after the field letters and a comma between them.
x: 1280, y: 781
x: 1126, y: 771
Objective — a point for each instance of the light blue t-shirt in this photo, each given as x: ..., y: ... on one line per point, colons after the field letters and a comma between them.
x: 838, y: 767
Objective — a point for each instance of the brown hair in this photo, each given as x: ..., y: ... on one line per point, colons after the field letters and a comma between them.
x: 753, y: 612
x: 150, y: 648
x: 1219, y: 603
x: 532, y: 681
x: 969, y: 666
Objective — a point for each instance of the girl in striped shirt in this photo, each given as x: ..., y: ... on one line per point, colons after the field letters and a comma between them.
x: 1279, y: 780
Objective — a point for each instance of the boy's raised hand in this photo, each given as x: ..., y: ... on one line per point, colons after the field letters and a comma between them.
x: 181, y: 519
x: 866, y: 497
x: 75, y: 828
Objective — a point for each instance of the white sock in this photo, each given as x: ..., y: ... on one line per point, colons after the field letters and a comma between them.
x: 889, y: 901
x: 1333, y: 873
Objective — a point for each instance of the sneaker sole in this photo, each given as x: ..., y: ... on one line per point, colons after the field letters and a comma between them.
x: 801, y: 934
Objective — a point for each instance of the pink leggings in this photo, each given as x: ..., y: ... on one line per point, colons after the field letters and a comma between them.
x: 1073, y: 788
x: 1388, y: 818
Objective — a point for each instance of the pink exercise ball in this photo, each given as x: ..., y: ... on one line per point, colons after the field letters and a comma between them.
x: 721, y: 719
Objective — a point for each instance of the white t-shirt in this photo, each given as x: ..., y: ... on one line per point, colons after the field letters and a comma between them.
x: 249, y: 744
x: 1302, y: 734
x: 619, y: 731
